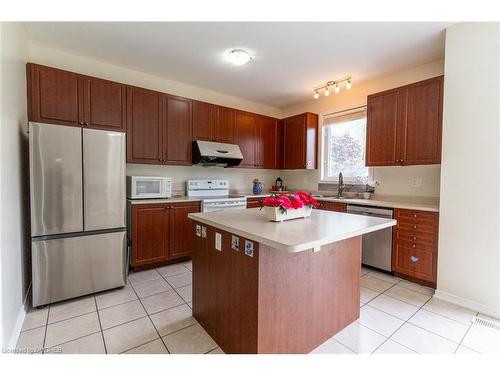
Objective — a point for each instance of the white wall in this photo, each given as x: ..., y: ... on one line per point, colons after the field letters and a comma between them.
x: 469, y: 235
x: 14, y: 222
x: 391, y: 180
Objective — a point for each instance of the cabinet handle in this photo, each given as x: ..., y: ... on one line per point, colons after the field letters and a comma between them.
x: 414, y: 259
x: 402, y: 160
x: 414, y: 227
x: 414, y: 238
x: 413, y: 245
x: 415, y: 216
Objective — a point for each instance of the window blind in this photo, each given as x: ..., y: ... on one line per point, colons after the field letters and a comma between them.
x: 343, y: 116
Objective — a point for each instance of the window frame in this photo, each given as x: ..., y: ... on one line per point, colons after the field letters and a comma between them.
x: 325, y: 152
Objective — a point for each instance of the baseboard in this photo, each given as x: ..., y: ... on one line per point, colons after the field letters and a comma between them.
x: 467, y: 303
x: 18, y: 326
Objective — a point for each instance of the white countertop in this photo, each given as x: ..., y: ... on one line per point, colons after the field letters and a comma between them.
x: 323, y: 227
x: 163, y: 200
x: 389, y: 201
x: 410, y: 203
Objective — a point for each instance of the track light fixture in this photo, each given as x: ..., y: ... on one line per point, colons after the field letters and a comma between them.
x: 335, y: 84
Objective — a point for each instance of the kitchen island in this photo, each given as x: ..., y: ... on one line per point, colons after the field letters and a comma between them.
x: 267, y: 287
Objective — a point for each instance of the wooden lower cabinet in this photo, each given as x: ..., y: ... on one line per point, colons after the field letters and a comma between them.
x: 414, y: 251
x: 160, y: 233
x: 333, y: 206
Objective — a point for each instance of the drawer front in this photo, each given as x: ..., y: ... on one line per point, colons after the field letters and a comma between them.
x: 416, y: 215
x: 425, y: 228
x: 418, y: 246
x: 254, y: 202
x: 417, y: 238
x: 333, y: 206
x: 414, y: 262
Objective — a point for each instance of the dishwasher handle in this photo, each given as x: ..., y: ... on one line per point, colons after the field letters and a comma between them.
x: 369, y: 211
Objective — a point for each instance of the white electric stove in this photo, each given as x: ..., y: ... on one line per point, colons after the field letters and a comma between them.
x: 214, y: 195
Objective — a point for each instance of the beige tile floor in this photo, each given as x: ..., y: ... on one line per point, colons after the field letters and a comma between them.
x: 152, y: 314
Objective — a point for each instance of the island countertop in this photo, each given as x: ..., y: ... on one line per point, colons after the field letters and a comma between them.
x: 321, y: 228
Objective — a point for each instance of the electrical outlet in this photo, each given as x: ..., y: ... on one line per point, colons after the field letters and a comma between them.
x: 416, y: 182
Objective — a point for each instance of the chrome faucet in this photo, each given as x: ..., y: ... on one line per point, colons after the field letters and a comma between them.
x: 341, y: 185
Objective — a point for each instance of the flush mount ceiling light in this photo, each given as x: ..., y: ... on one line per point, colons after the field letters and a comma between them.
x: 239, y: 56
x: 336, y: 87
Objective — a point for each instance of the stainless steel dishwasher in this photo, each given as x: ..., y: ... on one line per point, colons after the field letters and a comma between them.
x: 377, y: 246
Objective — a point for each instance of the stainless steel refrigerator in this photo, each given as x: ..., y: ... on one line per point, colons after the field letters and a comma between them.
x: 78, y: 229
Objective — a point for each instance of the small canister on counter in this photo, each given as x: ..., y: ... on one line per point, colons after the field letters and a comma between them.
x: 258, y: 187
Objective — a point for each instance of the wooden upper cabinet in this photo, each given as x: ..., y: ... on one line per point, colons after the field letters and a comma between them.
x: 382, y: 128
x: 177, y: 130
x: 224, y: 125
x: 404, y: 125
x: 267, y: 142
x: 181, y: 229
x: 150, y: 234
x: 204, y: 119
x: 300, y: 141
x: 245, y: 136
x: 54, y: 96
x: 424, y: 118
x: 104, y: 104
x: 144, y: 126
x: 59, y: 97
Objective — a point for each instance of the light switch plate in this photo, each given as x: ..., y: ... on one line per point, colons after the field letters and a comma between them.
x: 198, y: 230
x: 203, y: 232
x: 235, y: 243
x: 416, y: 182
x: 218, y: 241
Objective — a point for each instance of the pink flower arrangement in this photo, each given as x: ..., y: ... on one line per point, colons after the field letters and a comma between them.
x: 290, y: 201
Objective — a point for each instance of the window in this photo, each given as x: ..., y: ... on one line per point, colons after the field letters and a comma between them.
x: 344, y: 141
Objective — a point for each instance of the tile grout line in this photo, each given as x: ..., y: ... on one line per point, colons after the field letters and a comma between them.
x: 164, y: 278
x: 466, y: 332
x: 46, y: 329
x: 100, y: 326
x: 149, y: 317
x: 416, y: 325
x: 408, y: 321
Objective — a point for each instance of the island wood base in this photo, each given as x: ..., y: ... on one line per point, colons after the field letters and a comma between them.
x: 274, y: 301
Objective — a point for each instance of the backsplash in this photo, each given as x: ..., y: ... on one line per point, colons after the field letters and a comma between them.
x: 240, y: 179
x: 389, y: 180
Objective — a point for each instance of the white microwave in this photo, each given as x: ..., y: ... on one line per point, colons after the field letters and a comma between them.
x: 147, y: 187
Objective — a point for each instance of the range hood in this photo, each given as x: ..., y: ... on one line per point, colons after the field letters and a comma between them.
x: 216, y: 154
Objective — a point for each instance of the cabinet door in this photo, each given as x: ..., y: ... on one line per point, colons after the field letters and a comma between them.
x: 224, y: 125
x: 177, y: 130
x: 54, y: 96
x: 424, y: 122
x: 104, y: 104
x: 267, y: 144
x: 144, y: 126
x: 150, y: 225
x: 181, y: 229
x: 245, y: 136
x: 294, y: 142
x: 383, y: 119
x: 204, y: 118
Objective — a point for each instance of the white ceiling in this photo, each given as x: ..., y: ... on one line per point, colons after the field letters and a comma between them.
x: 290, y: 58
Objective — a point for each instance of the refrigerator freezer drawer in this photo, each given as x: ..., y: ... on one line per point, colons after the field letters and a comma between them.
x: 69, y: 267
